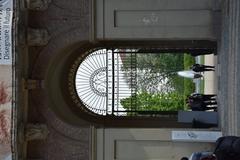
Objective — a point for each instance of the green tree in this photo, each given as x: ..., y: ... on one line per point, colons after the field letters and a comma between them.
x: 158, y: 87
x: 151, y: 70
x: 145, y: 101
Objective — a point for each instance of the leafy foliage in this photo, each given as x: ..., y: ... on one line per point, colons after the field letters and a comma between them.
x: 158, y: 86
x: 154, y: 102
x: 155, y: 72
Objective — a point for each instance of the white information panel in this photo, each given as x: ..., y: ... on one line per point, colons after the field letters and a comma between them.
x: 6, y: 15
x: 196, y: 136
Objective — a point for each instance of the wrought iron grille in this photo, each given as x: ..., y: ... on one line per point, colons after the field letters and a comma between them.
x: 112, y: 81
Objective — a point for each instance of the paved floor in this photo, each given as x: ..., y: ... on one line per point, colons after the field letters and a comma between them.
x: 222, y: 82
x: 210, y: 77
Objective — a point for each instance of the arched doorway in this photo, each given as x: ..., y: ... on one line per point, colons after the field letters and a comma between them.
x: 130, y: 82
x: 124, y: 85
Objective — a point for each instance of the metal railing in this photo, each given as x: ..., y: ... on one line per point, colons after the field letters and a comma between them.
x: 109, y: 82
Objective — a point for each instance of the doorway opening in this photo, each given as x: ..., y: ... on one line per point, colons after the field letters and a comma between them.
x: 135, y: 81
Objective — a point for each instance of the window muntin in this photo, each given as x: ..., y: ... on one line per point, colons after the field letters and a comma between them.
x: 112, y: 82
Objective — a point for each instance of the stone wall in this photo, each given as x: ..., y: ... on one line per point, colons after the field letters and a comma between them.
x: 67, y: 23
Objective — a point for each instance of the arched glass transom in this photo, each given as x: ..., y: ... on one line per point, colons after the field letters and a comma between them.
x: 126, y: 82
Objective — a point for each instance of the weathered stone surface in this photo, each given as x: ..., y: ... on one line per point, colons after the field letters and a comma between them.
x: 5, y: 126
x: 229, y: 68
x: 4, y: 95
x: 37, y: 37
x: 33, y: 84
x: 63, y: 141
x: 5, y: 110
x: 38, y: 5
x: 67, y: 22
x: 36, y: 132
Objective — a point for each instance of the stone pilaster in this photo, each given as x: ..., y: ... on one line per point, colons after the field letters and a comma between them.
x: 230, y: 59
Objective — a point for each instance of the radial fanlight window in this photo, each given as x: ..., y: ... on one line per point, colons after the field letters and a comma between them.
x: 91, y: 81
x: 130, y: 82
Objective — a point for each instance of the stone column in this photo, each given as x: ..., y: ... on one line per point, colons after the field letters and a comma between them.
x: 230, y: 67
